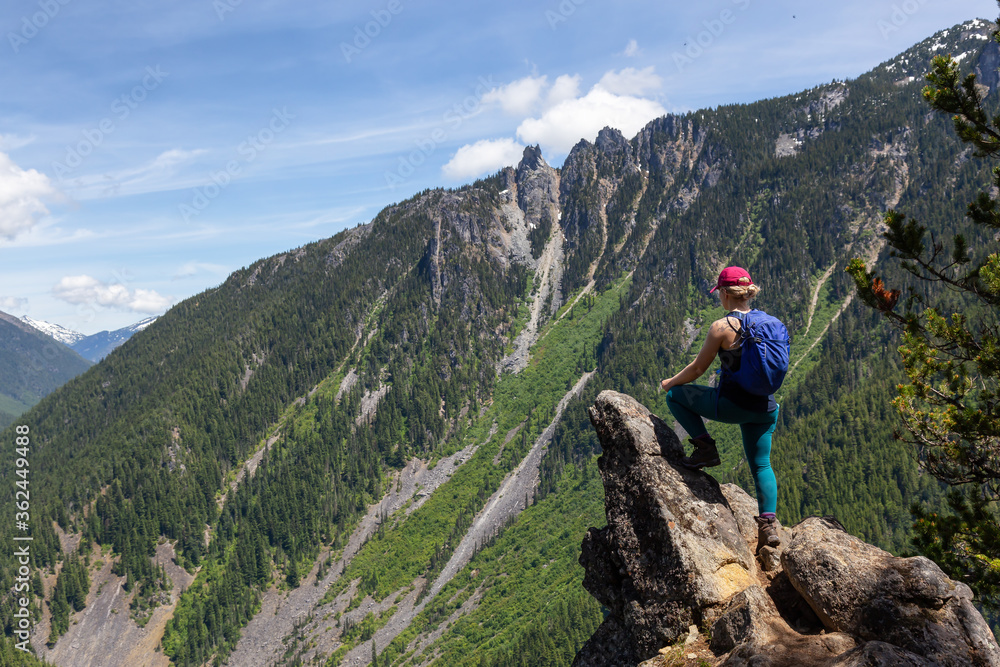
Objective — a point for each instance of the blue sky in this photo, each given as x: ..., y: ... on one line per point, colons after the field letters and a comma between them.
x: 148, y: 149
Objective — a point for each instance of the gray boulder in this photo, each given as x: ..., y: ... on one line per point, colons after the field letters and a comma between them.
x: 857, y: 588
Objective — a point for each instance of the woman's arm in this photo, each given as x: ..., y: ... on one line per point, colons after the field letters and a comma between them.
x: 701, y: 363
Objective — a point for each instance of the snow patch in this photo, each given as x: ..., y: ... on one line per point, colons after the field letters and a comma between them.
x: 60, y: 333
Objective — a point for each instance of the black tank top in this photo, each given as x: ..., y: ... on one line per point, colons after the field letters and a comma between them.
x: 728, y: 388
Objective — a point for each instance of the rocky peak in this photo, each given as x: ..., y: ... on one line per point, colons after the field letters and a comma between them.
x: 678, y: 551
x: 531, y: 160
x: 537, y: 191
x: 610, y: 140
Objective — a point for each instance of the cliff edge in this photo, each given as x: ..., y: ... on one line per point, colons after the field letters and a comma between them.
x: 678, y: 551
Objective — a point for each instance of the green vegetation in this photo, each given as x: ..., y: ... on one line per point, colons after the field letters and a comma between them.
x: 526, y: 602
x: 146, y: 445
x: 70, y: 594
x: 949, y: 404
x: 424, y: 541
x: 32, y: 365
x: 10, y: 656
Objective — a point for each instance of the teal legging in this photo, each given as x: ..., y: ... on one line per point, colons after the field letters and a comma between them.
x: 690, y: 402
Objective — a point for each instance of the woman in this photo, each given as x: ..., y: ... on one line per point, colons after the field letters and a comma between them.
x: 729, y: 403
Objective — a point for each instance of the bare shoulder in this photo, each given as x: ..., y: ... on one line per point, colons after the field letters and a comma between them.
x: 726, y: 328
x: 726, y: 324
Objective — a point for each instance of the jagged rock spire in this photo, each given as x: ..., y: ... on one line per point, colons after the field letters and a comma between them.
x: 531, y: 160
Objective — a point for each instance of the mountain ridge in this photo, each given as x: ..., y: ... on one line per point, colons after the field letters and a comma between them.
x: 32, y: 365
x: 335, y: 365
x: 90, y: 346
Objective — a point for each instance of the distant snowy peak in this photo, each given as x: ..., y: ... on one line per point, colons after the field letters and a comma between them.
x: 142, y: 324
x: 97, y: 346
x: 60, y: 333
x: 968, y: 43
x: 94, y: 347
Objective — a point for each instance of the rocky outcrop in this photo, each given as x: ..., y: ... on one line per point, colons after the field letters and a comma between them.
x: 857, y: 588
x: 678, y: 551
x: 673, y: 552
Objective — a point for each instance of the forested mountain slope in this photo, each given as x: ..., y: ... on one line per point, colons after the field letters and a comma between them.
x: 32, y: 365
x: 376, y: 443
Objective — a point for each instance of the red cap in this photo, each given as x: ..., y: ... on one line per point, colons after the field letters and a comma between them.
x: 730, y: 276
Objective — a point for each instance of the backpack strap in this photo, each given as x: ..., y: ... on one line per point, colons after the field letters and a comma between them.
x: 737, y: 315
x: 740, y: 334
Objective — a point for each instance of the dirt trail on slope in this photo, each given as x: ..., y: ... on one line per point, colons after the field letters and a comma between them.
x: 815, y: 297
x: 261, y: 641
x: 516, y: 491
x: 822, y: 333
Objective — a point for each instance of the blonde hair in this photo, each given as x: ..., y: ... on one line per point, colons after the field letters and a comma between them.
x: 742, y: 292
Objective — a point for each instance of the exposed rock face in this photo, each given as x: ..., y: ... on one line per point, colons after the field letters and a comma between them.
x: 678, y: 550
x: 672, y: 552
x: 537, y: 190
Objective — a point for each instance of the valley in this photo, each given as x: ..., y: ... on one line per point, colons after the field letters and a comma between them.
x: 377, y: 445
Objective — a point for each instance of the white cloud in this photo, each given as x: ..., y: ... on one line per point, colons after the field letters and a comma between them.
x: 562, y: 126
x: 631, y: 81
x: 13, y: 303
x: 91, y: 291
x: 518, y: 97
x: 483, y: 157
x: 632, y: 48
x: 566, y: 87
x: 22, y: 196
x: 618, y: 100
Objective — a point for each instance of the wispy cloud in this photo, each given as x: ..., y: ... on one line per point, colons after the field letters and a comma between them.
x: 11, y: 142
x: 194, y: 268
x: 160, y: 173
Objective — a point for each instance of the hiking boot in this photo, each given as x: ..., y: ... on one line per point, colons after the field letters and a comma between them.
x: 767, y: 532
x: 705, y: 455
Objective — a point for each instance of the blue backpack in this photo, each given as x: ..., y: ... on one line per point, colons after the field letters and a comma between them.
x: 764, y: 359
